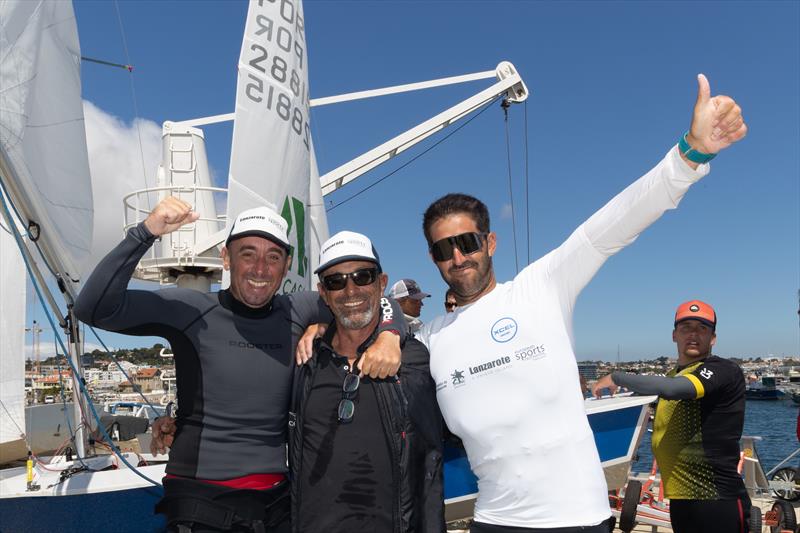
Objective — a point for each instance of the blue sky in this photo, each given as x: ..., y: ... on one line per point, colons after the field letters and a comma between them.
x: 612, y: 88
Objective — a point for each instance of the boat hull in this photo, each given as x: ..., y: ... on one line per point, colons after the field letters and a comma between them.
x: 763, y: 395
x: 111, y: 497
x: 122, y: 511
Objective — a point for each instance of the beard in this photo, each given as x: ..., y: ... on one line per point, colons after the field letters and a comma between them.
x: 352, y: 318
x: 357, y: 320
x: 466, y: 287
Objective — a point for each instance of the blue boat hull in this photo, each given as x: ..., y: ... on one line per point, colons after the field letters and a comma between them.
x: 124, y: 511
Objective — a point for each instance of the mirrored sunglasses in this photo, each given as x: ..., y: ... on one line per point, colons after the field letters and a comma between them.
x: 467, y: 243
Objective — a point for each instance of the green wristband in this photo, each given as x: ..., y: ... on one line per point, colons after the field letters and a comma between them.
x: 691, y: 154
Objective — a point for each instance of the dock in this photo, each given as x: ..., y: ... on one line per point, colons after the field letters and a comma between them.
x: 764, y: 504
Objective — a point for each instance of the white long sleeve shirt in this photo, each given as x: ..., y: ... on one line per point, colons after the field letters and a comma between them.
x: 506, y: 375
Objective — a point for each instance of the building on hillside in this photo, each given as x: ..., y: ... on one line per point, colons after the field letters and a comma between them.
x: 588, y: 371
x: 103, y: 379
x: 148, y: 379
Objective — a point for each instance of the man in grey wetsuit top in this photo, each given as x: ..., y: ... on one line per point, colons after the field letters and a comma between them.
x: 233, y: 359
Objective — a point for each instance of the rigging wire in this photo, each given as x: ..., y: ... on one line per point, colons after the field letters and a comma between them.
x: 506, y: 104
x: 81, y: 384
x: 434, y: 145
x: 119, y: 365
x: 64, y: 403
x: 34, y: 242
x: 133, y: 99
x: 527, y: 182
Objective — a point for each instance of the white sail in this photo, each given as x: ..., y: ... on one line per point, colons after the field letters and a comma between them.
x: 272, y: 152
x: 43, y: 160
x: 12, y: 347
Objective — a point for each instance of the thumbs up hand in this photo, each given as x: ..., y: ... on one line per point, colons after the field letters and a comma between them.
x: 717, y: 121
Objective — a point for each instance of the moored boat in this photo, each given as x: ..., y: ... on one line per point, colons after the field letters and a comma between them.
x: 763, y: 389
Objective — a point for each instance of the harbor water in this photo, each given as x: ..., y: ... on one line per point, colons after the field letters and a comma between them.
x: 774, y: 421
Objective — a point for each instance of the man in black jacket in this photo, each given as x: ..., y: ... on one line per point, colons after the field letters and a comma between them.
x: 365, y: 453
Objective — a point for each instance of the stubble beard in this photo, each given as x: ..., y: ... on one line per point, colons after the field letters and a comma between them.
x: 357, y: 320
x: 467, y: 288
x: 352, y: 319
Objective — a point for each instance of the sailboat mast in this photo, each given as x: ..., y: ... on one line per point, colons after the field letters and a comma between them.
x: 78, y: 399
x: 68, y: 323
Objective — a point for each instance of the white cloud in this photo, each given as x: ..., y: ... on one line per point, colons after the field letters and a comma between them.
x: 506, y: 212
x: 118, y: 166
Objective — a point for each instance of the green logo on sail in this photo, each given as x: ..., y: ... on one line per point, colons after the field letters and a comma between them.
x: 292, y: 205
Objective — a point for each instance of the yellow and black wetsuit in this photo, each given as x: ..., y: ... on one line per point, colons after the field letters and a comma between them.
x: 696, y: 435
x: 696, y: 444
x: 696, y: 441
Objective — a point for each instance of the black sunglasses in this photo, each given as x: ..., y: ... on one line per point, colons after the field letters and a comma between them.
x: 361, y: 277
x: 468, y: 243
x: 346, y: 405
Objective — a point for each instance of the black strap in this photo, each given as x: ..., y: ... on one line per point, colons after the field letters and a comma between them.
x: 197, y: 510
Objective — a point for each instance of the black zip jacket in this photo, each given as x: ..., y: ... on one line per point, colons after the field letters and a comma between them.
x: 413, y: 424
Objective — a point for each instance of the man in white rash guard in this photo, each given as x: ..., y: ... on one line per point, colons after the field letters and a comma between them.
x: 503, y: 361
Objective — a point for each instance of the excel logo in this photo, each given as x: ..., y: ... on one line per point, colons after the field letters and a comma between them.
x: 294, y: 212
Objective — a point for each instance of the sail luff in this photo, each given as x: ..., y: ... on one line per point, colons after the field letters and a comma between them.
x: 12, y: 344
x: 43, y: 155
x: 272, y: 151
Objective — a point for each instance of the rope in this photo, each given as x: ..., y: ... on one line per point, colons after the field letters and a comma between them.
x: 506, y: 105
x: 119, y: 365
x: 35, y: 243
x: 437, y: 143
x: 64, y: 401
x: 60, y: 341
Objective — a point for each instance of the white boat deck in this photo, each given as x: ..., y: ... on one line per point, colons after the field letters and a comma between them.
x: 13, y: 481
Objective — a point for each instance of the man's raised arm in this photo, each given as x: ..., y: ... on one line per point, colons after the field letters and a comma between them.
x: 104, y: 295
x: 716, y: 124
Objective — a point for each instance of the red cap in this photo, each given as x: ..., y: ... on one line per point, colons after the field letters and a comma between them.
x: 696, y: 310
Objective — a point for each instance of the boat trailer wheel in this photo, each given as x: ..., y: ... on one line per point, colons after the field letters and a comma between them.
x: 627, y: 515
x: 787, y: 475
x: 779, y: 518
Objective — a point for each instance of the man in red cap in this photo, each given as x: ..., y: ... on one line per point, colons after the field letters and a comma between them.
x: 697, y: 427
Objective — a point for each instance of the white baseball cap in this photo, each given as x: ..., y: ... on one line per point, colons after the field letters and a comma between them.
x: 346, y: 246
x: 262, y: 222
x: 407, y: 288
